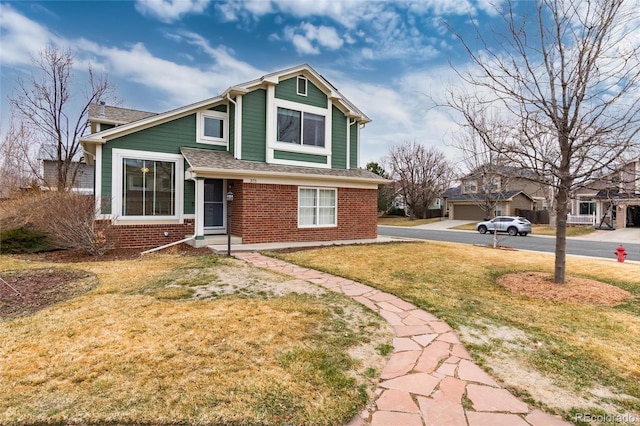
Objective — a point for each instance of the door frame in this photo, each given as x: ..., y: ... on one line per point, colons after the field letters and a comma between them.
x: 217, y: 230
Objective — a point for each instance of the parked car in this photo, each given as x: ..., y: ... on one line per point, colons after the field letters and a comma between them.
x: 514, y: 225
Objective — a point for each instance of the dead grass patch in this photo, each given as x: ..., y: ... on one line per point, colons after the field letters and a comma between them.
x: 134, y: 350
x: 578, y: 290
x: 577, y: 346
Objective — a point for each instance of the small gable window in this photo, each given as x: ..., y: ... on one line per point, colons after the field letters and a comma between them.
x: 212, y: 127
x: 302, y: 86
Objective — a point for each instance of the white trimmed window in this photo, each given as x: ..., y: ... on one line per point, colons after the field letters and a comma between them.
x: 301, y: 86
x: 317, y: 207
x: 146, y: 184
x: 213, y: 127
x: 300, y: 127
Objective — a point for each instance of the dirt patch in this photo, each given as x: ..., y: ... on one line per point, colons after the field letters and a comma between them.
x: 540, y: 285
x: 237, y: 277
x: 25, y: 292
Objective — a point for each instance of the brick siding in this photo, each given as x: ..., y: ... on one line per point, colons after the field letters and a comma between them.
x: 262, y: 213
x: 148, y: 236
x: 269, y: 213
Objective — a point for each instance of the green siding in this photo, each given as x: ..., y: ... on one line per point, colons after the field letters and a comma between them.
x: 189, y: 195
x: 232, y: 128
x: 219, y: 108
x: 297, y: 156
x: 105, y: 126
x: 287, y: 90
x: 166, y: 138
x: 338, y: 139
x: 254, y: 126
x: 353, y: 160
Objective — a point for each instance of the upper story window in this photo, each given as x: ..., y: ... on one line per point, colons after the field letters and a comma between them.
x: 301, y: 128
x: 470, y: 186
x: 302, y: 86
x: 212, y: 127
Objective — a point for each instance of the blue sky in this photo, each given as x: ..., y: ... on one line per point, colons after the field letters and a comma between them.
x: 387, y: 57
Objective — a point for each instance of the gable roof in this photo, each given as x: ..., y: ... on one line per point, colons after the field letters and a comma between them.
x: 223, y: 163
x: 115, y: 115
x: 455, y: 194
x: 269, y: 79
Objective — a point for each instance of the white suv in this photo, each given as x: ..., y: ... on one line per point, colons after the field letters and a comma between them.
x: 514, y: 225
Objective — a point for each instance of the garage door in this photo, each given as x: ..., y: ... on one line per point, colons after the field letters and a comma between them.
x: 467, y: 212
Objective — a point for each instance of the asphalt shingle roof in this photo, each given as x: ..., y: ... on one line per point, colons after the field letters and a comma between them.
x: 223, y: 160
x: 117, y: 114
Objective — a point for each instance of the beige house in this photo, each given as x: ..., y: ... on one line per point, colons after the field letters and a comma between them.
x: 614, y: 198
x: 505, y: 191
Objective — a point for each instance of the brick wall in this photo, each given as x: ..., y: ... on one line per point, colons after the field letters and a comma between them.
x: 270, y: 214
x: 149, y: 236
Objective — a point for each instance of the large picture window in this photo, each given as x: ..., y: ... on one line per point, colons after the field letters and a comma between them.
x: 317, y: 207
x: 302, y: 128
x: 148, y: 187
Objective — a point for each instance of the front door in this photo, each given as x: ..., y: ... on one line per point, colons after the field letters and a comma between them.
x: 213, y: 205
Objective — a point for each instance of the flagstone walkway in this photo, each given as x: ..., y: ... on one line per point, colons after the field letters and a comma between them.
x: 429, y: 373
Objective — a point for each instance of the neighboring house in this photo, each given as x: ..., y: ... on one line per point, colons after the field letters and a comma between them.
x: 507, y: 189
x: 614, y: 198
x: 83, y: 182
x: 285, y: 145
x: 84, y: 176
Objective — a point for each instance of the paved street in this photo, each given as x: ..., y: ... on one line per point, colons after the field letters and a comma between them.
x: 599, y: 244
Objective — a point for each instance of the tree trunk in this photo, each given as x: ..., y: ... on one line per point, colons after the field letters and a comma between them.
x: 561, y: 234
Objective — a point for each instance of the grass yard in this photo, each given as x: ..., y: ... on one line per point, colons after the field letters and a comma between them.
x: 404, y: 221
x: 170, y: 339
x: 565, y: 357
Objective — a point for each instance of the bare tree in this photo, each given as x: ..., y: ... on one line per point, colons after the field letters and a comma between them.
x: 423, y: 175
x: 566, y: 76
x: 19, y: 167
x: 481, y: 129
x: 45, y: 103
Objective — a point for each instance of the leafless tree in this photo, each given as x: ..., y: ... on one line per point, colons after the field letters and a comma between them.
x: 423, y: 174
x: 19, y: 167
x: 480, y: 130
x: 565, y: 74
x: 45, y: 104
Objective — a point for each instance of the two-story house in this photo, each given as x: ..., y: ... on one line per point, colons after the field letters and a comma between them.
x: 277, y: 155
x: 493, y: 191
x: 614, y: 198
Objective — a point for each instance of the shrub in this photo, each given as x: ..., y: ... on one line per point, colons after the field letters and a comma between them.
x: 23, y: 240
x: 67, y: 218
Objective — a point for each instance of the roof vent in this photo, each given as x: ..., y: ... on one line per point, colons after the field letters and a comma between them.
x: 102, y: 104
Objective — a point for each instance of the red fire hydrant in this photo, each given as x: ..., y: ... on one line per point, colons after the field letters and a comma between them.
x: 621, y: 253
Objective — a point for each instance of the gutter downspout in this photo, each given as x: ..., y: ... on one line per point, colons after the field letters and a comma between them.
x: 235, y: 145
x: 168, y: 245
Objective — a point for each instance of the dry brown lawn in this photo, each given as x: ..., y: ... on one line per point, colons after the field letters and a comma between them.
x: 184, y: 339
x: 573, y: 355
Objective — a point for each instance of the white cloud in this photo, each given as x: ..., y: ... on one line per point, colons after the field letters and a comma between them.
x: 170, y: 10
x: 22, y: 37
x: 308, y: 38
x: 303, y: 45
